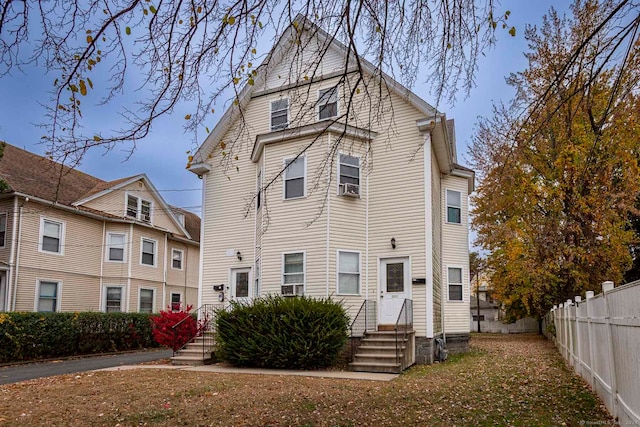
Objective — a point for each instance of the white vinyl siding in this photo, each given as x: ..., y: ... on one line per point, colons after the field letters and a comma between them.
x: 280, y: 114
x: 176, y: 259
x: 48, y: 296
x: 146, y: 298
x: 3, y: 230
x: 148, y: 251
x: 348, y: 273
x: 454, y: 279
x: 293, y: 273
x: 295, y: 178
x: 51, y: 236
x: 113, y: 299
x: 116, y: 244
x: 454, y: 207
x: 328, y: 103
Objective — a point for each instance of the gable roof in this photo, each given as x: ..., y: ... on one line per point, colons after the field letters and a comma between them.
x: 29, y: 174
x: 275, y: 56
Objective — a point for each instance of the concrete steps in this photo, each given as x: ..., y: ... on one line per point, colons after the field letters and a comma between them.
x: 197, y: 352
x: 377, y: 352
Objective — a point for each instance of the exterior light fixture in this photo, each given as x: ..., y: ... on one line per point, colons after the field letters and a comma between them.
x: 393, y: 243
x: 239, y: 256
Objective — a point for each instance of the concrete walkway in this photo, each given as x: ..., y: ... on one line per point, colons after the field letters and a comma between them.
x: 28, y: 371
x: 219, y: 369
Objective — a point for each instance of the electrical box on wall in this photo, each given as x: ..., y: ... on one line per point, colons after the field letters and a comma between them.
x: 419, y: 281
x: 218, y: 287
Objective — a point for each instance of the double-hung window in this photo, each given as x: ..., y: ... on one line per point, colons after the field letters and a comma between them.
x: 113, y: 299
x: 454, y: 206
x: 328, y: 103
x: 294, y: 178
x: 138, y: 208
x: 51, y: 236
x: 349, y: 169
x: 146, y: 300
x: 148, y: 256
x: 348, y: 273
x: 3, y: 229
x: 454, y: 278
x: 48, y: 296
x: 176, y: 259
x: 280, y: 114
x: 176, y: 301
x: 293, y: 274
x: 115, y: 247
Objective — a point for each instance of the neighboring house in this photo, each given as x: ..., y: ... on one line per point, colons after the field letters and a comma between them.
x: 72, y: 242
x: 350, y: 228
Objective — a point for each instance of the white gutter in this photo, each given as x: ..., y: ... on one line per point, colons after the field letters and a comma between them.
x: 328, y: 233
x: 12, y: 254
x: 128, y: 305
x: 201, y: 254
x: 164, y: 273
x: 15, y: 277
x: 428, y: 231
x: 104, y: 239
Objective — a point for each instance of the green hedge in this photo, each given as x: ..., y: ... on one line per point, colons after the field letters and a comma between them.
x: 281, y: 332
x: 30, y: 336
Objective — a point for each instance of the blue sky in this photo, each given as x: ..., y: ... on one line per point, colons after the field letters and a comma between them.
x: 162, y: 155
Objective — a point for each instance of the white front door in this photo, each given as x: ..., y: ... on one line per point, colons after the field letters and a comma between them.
x: 395, y: 287
x: 240, y: 285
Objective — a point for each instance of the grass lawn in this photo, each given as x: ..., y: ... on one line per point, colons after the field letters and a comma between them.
x: 506, y: 380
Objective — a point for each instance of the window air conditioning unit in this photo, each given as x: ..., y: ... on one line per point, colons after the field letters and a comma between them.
x: 350, y: 190
x: 292, y: 290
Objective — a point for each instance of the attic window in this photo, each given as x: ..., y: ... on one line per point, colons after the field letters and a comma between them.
x: 328, y: 103
x: 280, y: 114
x: 180, y: 218
x: 138, y: 208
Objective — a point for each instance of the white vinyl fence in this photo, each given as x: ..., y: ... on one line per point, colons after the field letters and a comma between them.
x: 600, y: 339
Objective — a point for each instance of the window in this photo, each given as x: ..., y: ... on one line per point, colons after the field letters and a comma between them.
x: 455, y: 283
x: 48, y: 296
x: 146, y: 300
x: 280, y: 114
x: 475, y: 318
x: 179, y: 217
x: 454, y: 205
x: 148, y: 252
x: 176, y: 301
x: 294, y: 176
x: 138, y: 208
x: 349, y: 169
x: 259, y: 189
x: 176, y: 259
x: 51, y: 234
x: 293, y: 274
x: 348, y: 273
x: 328, y: 103
x: 115, y: 247
x: 113, y: 299
x: 3, y: 229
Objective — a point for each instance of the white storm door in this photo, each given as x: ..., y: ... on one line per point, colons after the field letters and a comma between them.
x: 394, y: 288
x: 240, y: 285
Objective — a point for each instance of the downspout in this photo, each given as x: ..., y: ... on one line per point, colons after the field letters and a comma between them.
x: 12, y: 254
x: 428, y: 233
x: 15, y: 277
x: 366, y: 231
x: 186, y: 274
x: 104, y: 235
x: 164, y: 272
x: 201, y: 254
x: 129, y: 269
x: 328, y: 234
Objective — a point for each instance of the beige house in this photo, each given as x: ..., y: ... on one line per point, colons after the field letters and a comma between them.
x: 313, y: 188
x: 72, y: 242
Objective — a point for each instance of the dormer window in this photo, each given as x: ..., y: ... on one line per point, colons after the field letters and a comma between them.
x: 280, y: 114
x: 180, y: 218
x: 138, y: 208
x: 328, y: 103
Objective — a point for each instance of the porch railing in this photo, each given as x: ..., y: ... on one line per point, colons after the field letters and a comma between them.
x: 206, y: 315
x: 364, y: 321
x: 403, y: 326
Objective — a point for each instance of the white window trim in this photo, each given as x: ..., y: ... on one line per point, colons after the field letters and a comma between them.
x: 304, y: 271
x: 3, y: 243
x: 337, y: 103
x: 461, y: 283
x: 446, y: 213
x: 338, y: 272
x: 271, y: 113
x: 58, y: 294
x: 284, y: 178
x: 171, y: 294
x: 124, y: 253
x: 63, y: 228
x: 155, y: 251
x: 340, y: 165
x: 139, y: 208
x: 103, y: 305
x: 181, y: 259
x: 153, y: 298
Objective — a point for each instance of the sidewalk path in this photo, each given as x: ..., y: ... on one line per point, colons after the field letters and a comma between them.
x: 16, y: 373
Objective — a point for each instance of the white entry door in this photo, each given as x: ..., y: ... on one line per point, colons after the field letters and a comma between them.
x: 240, y: 285
x: 395, y: 287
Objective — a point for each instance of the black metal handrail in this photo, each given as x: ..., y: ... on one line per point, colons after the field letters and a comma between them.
x: 364, y: 321
x: 206, y: 315
x: 406, y: 314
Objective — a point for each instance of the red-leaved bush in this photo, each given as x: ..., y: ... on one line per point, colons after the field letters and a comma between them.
x: 174, y: 329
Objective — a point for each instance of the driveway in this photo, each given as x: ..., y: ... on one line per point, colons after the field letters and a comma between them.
x: 16, y: 373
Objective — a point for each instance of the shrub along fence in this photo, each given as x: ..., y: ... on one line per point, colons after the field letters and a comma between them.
x: 600, y: 338
x: 30, y: 336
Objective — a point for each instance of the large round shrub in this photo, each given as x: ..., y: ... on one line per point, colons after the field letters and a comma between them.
x: 282, y: 332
